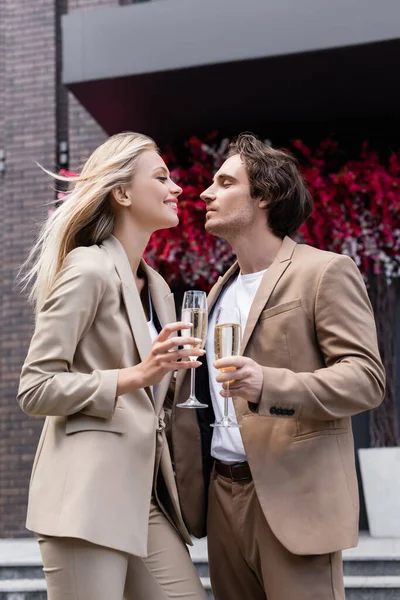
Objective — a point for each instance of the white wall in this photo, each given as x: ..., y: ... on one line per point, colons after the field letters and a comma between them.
x: 162, y: 35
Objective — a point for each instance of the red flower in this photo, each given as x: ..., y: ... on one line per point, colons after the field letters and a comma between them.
x: 356, y: 211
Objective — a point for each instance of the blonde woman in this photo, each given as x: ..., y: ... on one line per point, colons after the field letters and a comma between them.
x: 102, y: 498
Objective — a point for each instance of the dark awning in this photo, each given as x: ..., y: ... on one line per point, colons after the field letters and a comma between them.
x: 170, y: 67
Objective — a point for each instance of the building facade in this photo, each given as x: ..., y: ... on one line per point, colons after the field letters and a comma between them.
x: 74, y: 71
x: 37, y: 114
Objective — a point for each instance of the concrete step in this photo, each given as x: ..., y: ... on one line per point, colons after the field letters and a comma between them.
x: 26, y: 596
x: 372, y: 588
x: 357, y: 588
x: 23, y: 589
x: 20, y: 572
x: 382, y: 568
x: 372, y: 570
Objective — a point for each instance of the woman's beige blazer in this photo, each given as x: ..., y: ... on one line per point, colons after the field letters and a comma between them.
x: 95, y: 465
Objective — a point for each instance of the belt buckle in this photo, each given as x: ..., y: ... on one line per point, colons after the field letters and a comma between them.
x: 235, y: 477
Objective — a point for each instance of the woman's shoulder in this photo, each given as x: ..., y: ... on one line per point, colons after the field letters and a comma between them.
x: 90, y: 261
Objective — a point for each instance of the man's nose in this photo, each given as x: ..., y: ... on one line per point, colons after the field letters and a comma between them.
x: 208, y: 195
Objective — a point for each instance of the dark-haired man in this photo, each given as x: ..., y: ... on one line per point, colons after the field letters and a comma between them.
x: 282, y: 497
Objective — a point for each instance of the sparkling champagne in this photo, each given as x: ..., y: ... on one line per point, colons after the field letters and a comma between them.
x: 227, y: 340
x: 198, y: 317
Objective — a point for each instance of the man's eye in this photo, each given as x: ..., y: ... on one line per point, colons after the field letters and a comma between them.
x: 226, y: 183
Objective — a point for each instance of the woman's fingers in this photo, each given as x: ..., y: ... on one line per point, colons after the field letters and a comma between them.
x: 170, y: 329
x: 187, y: 364
x: 168, y: 351
x: 184, y: 353
x: 172, y: 343
x: 164, y: 342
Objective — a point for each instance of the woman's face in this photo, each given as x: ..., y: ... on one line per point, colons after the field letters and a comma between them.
x: 152, y: 194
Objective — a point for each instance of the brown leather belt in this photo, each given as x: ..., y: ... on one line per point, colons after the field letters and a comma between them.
x: 236, y: 471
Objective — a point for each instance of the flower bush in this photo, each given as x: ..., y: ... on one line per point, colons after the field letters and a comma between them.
x: 356, y: 212
x: 356, y: 207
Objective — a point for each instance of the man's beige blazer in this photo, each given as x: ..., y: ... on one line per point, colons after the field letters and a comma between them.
x: 312, y: 329
x: 93, y: 473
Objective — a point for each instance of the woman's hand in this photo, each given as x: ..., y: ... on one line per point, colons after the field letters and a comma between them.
x: 164, y: 357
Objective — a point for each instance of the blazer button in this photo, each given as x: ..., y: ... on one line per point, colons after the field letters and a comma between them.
x: 291, y: 411
x: 286, y: 411
x: 279, y: 411
x: 272, y: 410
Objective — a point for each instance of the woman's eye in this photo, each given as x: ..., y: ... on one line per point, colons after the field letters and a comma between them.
x: 162, y: 178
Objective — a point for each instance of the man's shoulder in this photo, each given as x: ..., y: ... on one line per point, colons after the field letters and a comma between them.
x: 313, y: 258
x: 310, y: 267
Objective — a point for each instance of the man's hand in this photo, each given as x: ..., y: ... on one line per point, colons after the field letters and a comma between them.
x: 246, y: 381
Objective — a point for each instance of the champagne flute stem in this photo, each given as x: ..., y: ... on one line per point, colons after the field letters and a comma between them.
x: 226, y: 402
x: 192, y: 383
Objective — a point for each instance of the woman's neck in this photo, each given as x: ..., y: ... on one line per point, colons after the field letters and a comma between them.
x: 134, y: 242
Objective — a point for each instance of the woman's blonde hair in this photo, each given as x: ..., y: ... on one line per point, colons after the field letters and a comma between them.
x: 85, y: 216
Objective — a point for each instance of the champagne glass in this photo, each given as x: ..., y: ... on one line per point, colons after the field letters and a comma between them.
x: 227, y: 337
x: 194, y: 311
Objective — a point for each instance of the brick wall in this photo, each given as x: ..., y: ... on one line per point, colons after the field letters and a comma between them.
x: 35, y: 114
x: 2, y: 196
x: 28, y: 133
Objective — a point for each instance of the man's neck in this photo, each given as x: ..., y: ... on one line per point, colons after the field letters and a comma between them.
x: 256, y: 252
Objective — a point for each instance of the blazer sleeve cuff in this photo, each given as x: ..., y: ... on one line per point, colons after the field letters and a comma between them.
x: 106, y: 395
x: 272, y: 401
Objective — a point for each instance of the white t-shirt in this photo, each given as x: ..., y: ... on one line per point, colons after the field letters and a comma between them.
x: 227, y: 444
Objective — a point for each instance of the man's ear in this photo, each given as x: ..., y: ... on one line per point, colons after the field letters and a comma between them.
x: 120, y: 196
x: 263, y: 203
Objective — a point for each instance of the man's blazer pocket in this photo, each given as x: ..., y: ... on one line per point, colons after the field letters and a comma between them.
x: 280, y: 308
x: 79, y: 422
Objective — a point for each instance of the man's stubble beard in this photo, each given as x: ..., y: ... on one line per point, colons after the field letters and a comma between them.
x: 229, y: 230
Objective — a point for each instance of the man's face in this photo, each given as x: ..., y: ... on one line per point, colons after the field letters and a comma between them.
x: 230, y: 208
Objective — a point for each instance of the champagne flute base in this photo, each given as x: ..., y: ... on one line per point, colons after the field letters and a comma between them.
x: 227, y: 423
x: 192, y: 403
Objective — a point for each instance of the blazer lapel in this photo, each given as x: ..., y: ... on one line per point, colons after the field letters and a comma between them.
x: 130, y: 294
x: 164, y: 306
x: 267, y: 285
x: 219, y: 286
x: 161, y: 296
